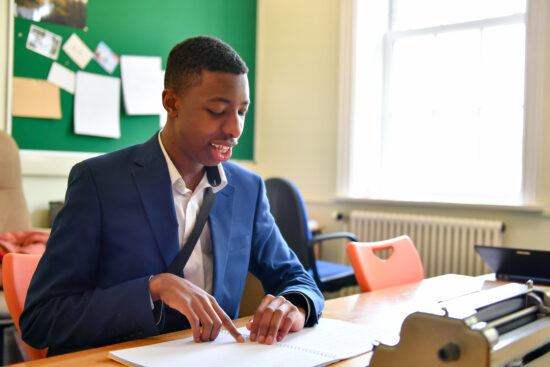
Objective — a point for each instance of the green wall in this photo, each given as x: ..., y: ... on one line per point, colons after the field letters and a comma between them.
x: 132, y: 27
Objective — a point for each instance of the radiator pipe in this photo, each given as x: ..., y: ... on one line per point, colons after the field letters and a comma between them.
x: 339, y: 216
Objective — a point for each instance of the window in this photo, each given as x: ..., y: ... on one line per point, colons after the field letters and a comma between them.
x: 435, y: 102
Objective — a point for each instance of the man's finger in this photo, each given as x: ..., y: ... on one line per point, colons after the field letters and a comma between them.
x: 275, y: 324
x: 258, y: 316
x: 228, y: 324
x: 195, y: 325
x: 206, y: 322
x: 267, y: 317
x: 216, y: 327
x: 212, y: 323
x: 285, y: 326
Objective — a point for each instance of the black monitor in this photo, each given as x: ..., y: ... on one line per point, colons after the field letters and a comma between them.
x: 517, y: 265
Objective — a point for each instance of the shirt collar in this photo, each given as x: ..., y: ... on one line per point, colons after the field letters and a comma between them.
x: 213, y: 176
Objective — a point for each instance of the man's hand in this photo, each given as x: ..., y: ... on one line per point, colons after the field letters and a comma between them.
x: 274, y: 318
x: 199, y: 307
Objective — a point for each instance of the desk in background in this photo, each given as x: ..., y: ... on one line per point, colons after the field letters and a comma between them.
x: 383, y: 311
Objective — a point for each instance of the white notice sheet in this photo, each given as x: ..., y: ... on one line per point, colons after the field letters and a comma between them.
x: 97, y: 105
x: 62, y: 77
x: 78, y: 51
x: 141, y: 81
x: 163, y: 115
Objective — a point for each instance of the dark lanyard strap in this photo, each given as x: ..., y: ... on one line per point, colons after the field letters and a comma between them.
x: 183, y: 256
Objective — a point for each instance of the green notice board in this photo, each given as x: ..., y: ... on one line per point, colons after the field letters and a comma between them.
x: 132, y: 27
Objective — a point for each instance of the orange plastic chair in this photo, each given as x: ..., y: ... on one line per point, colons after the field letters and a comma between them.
x: 17, y: 271
x: 401, y: 267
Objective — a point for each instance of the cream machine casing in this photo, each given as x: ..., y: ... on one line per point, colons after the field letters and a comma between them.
x: 506, y: 326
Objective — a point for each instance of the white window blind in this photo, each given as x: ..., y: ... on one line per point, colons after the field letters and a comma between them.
x: 435, y: 97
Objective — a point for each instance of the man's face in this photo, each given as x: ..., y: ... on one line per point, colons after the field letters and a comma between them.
x: 208, y: 118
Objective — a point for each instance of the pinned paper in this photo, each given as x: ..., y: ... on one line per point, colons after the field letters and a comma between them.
x: 163, y: 114
x: 35, y: 98
x: 97, y: 105
x: 78, y: 51
x: 43, y: 42
x: 106, y: 57
x: 141, y: 78
x: 62, y: 77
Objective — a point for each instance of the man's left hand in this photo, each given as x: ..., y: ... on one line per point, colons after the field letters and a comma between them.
x: 274, y: 319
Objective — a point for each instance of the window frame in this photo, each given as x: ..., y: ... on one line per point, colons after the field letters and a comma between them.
x: 536, y: 18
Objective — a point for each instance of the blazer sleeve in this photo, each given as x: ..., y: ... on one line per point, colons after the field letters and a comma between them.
x: 275, y: 264
x: 64, y: 306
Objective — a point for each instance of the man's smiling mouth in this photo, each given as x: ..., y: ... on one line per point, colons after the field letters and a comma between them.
x: 221, y: 148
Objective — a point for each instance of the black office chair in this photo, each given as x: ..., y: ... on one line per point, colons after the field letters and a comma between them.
x: 289, y: 211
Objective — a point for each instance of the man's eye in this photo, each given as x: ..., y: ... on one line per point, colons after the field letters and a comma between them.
x: 243, y: 113
x: 215, y: 113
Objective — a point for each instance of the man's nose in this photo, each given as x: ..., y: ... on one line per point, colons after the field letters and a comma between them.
x: 233, y: 126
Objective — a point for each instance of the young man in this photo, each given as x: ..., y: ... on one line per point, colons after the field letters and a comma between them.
x: 103, y: 277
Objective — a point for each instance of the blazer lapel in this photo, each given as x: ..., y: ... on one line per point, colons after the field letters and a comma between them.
x: 153, y: 182
x: 220, y: 220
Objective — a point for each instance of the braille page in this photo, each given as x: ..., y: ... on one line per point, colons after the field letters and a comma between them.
x: 328, y: 342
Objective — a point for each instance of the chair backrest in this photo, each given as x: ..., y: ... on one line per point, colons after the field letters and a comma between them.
x: 17, y: 271
x: 15, y: 214
x: 402, y: 266
x: 288, y: 209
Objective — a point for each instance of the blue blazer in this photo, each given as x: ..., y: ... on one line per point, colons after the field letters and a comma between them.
x: 118, y: 227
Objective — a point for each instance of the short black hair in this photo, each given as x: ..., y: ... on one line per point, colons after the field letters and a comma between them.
x: 188, y: 58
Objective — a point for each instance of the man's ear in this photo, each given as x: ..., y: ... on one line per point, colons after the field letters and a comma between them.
x: 169, y: 101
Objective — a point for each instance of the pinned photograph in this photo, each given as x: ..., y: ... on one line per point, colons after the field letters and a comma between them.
x: 106, y: 57
x: 77, y: 50
x: 43, y: 42
x: 71, y: 13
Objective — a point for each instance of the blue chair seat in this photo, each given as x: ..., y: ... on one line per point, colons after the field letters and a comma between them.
x: 289, y: 211
x: 328, y: 270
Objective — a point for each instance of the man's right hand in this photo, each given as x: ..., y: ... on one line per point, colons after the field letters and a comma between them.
x: 199, y: 307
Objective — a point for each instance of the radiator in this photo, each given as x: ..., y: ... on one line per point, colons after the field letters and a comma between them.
x: 445, y: 244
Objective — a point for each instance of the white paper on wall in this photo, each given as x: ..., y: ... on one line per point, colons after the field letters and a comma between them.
x: 141, y: 77
x: 97, y: 105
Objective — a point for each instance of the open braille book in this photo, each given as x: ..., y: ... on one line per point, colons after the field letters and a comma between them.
x: 328, y: 342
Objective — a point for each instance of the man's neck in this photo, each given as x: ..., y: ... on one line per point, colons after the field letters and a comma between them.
x: 190, y: 172
x: 191, y: 180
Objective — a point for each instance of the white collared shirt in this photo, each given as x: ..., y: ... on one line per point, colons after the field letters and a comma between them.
x: 200, y: 267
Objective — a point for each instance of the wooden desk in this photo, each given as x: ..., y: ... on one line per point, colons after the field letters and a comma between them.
x: 382, y: 310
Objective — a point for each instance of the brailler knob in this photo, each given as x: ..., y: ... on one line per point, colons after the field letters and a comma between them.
x: 449, y: 352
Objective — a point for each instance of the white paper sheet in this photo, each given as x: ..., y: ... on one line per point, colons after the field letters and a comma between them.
x: 141, y: 77
x: 163, y: 115
x: 78, y: 51
x: 97, y: 105
x: 328, y: 342
x: 62, y: 77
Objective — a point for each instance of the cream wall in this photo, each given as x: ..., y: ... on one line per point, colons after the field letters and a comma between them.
x: 297, y: 92
x: 3, y: 61
x: 297, y: 118
x: 296, y: 121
